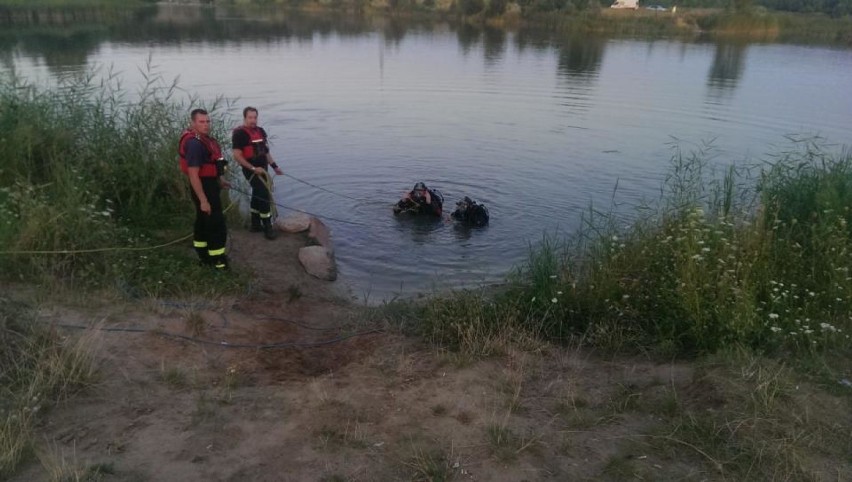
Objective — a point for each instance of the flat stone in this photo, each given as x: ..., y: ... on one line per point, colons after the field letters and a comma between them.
x: 319, y: 234
x: 319, y: 262
x: 294, y: 223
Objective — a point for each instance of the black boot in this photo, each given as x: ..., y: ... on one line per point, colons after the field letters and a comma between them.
x: 203, y: 257
x: 255, y: 223
x: 220, y: 263
x: 268, y: 230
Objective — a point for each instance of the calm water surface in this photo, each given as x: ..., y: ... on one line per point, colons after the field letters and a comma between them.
x: 534, y: 125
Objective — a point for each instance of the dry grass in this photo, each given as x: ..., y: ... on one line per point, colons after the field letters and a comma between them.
x: 38, y: 368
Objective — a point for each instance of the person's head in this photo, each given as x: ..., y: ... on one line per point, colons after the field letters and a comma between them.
x: 250, y: 117
x: 200, y: 121
x: 419, y: 190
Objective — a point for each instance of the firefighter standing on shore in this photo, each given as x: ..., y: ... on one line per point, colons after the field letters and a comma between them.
x: 201, y: 160
x: 251, y: 151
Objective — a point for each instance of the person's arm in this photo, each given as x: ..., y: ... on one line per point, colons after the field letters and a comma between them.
x: 428, y: 197
x: 269, y: 160
x: 272, y: 164
x: 195, y: 183
x: 241, y: 160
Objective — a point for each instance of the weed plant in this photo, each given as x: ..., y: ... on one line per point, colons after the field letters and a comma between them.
x: 88, y: 164
x: 757, y: 257
x: 37, y: 369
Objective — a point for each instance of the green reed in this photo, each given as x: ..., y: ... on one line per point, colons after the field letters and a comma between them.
x: 89, y: 164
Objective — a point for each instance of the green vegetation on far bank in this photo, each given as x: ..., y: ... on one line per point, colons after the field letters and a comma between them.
x: 72, y: 3
x: 763, y: 21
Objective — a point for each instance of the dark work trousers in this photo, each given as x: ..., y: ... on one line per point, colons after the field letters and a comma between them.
x: 210, y: 233
x: 260, y: 196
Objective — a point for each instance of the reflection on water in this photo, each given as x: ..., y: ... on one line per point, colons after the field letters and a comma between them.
x: 464, y: 232
x: 419, y: 229
x: 580, y: 57
x: 727, y: 68
x: 62, y: 54
x: 534, y: 124
x: 494, y: 45
x: 468, y: 36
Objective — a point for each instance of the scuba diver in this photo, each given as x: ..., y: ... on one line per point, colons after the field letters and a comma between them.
x: 421, y: 200
x: 470, y: 213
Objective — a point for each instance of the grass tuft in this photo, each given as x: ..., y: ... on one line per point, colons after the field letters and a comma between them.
x: 38, y: 368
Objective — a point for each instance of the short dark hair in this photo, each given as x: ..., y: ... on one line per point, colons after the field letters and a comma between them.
x: 247, y: 110
x: 197, y: 112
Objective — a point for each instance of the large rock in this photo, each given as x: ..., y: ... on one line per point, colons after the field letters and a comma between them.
x: 319, y: 234
x: 294, y: 223
x: 318, y: 262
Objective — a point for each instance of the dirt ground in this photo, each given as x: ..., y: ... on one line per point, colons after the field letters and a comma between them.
x: 374, y: 406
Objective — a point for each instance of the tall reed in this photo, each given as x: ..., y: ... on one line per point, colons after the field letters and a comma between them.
x: 90, y: 164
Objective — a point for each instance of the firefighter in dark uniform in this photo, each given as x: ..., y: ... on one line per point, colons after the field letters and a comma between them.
x: 201, y: 160
x: 251, y: 150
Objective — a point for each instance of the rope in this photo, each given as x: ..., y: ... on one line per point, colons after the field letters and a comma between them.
x: 225, y: 344
x: 97, y: 250
x: 264, y: 177
x: 210, y: 306
x: 361, y: 200
x: 105, y: 250
x: 283, y: 206
x: 325, y: 189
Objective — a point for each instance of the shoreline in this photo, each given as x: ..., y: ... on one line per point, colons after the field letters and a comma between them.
x: 757, y: 25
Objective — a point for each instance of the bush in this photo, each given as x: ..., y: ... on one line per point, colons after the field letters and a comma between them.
x: 470, y: 7
x: 88, y: 165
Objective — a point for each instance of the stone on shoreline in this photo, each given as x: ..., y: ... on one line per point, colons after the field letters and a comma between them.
x: 318, y: 261
x: 294, y: 223
x: 319, y: 234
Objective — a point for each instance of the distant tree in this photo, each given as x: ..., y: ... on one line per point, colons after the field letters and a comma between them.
x: 742, y: 6
x: 471, y: 7
x: 496, y: 7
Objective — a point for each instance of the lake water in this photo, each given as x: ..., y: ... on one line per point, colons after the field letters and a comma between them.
x: 535, y: 125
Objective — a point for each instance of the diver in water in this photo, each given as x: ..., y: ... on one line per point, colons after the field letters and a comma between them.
x: 421, y: 200
x: 470, y: 213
